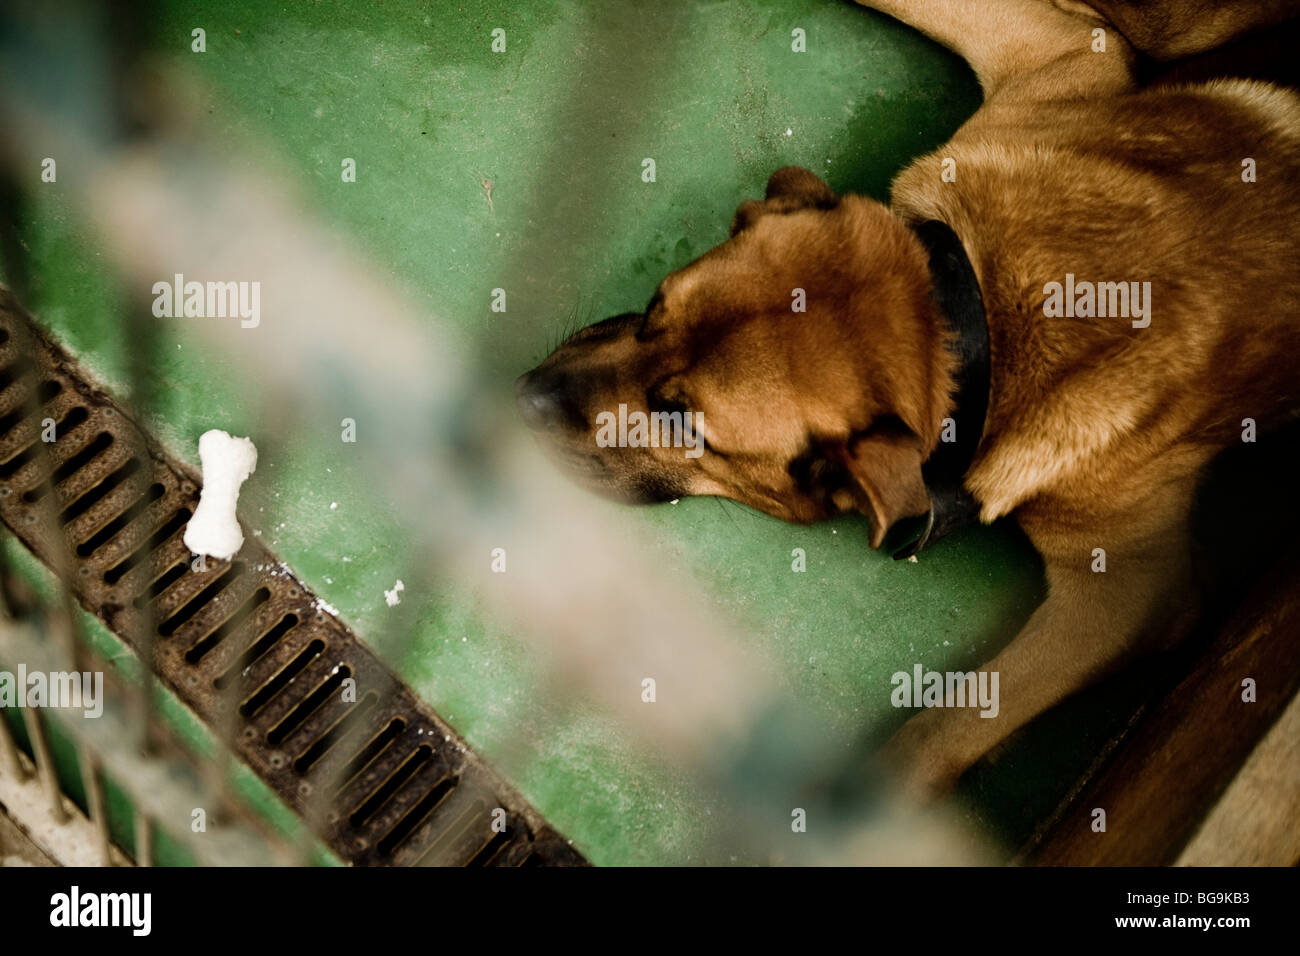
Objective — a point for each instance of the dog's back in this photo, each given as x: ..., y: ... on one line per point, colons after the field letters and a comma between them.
x: 1088, y: 192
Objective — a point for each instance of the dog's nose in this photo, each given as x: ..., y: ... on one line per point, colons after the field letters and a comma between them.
x: 539, y: 400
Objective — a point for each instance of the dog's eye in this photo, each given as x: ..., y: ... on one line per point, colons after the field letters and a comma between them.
x: 656, y: 401
x: 603, y: 330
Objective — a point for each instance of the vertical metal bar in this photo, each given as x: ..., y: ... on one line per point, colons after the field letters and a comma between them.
x: 13, y: 257
x: 142, y: 389
x: 126, y: 40
x: 143, y: 839
x: 44, y: 763
x: 95, y: 803
x: 10, y: 765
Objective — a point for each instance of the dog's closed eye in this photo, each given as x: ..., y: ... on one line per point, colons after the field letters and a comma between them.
x: 658, y: 399
x: 666, y: 398
x: 603, y: 331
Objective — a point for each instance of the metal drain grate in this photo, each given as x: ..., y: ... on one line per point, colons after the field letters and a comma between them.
x: 404, y: 788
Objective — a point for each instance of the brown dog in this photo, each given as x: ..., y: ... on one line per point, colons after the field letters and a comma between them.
x: 1135, y: 254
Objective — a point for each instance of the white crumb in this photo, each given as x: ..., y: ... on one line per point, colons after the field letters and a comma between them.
x: 227, y: 462
x: 392, y: 596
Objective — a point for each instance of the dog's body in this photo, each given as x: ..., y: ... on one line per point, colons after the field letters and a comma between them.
x: 1097, y: 429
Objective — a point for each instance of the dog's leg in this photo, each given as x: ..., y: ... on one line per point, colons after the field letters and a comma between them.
x: 1091, y: 622
x: 1023, y: 48
x: 1171, y: 29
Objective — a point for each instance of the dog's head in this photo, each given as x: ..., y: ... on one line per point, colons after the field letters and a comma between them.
x: 798, y: 368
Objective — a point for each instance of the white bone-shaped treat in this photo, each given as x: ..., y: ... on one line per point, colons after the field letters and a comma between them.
x: 214, y: 530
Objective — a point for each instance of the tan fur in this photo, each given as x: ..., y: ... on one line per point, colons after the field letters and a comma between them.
x: 1097, y: 431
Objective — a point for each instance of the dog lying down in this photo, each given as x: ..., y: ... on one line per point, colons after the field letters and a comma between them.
x: 1063, y: 315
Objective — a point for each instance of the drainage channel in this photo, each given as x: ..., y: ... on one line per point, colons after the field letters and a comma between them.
x: 397, y: 785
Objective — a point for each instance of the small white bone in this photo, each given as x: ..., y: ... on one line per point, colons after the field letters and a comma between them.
x: 227, y: 462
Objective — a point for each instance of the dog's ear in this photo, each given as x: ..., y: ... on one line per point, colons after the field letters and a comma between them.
x: 801, y: 186
x: 788, y: 189
x: 884, y: 470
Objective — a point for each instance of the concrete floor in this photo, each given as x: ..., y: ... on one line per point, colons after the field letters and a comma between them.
x: 558, y: 124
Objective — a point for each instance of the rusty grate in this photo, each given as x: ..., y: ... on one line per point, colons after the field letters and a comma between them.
x: 396, y: 784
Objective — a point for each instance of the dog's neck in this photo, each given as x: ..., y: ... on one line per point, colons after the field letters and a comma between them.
x: 961, y: 308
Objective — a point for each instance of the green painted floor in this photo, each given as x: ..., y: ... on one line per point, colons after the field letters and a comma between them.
x: 559, y: 124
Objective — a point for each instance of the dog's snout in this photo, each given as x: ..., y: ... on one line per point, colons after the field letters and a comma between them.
x: 542, y: 400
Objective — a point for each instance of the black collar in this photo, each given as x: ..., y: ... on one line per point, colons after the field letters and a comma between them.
x: 957, y: 293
